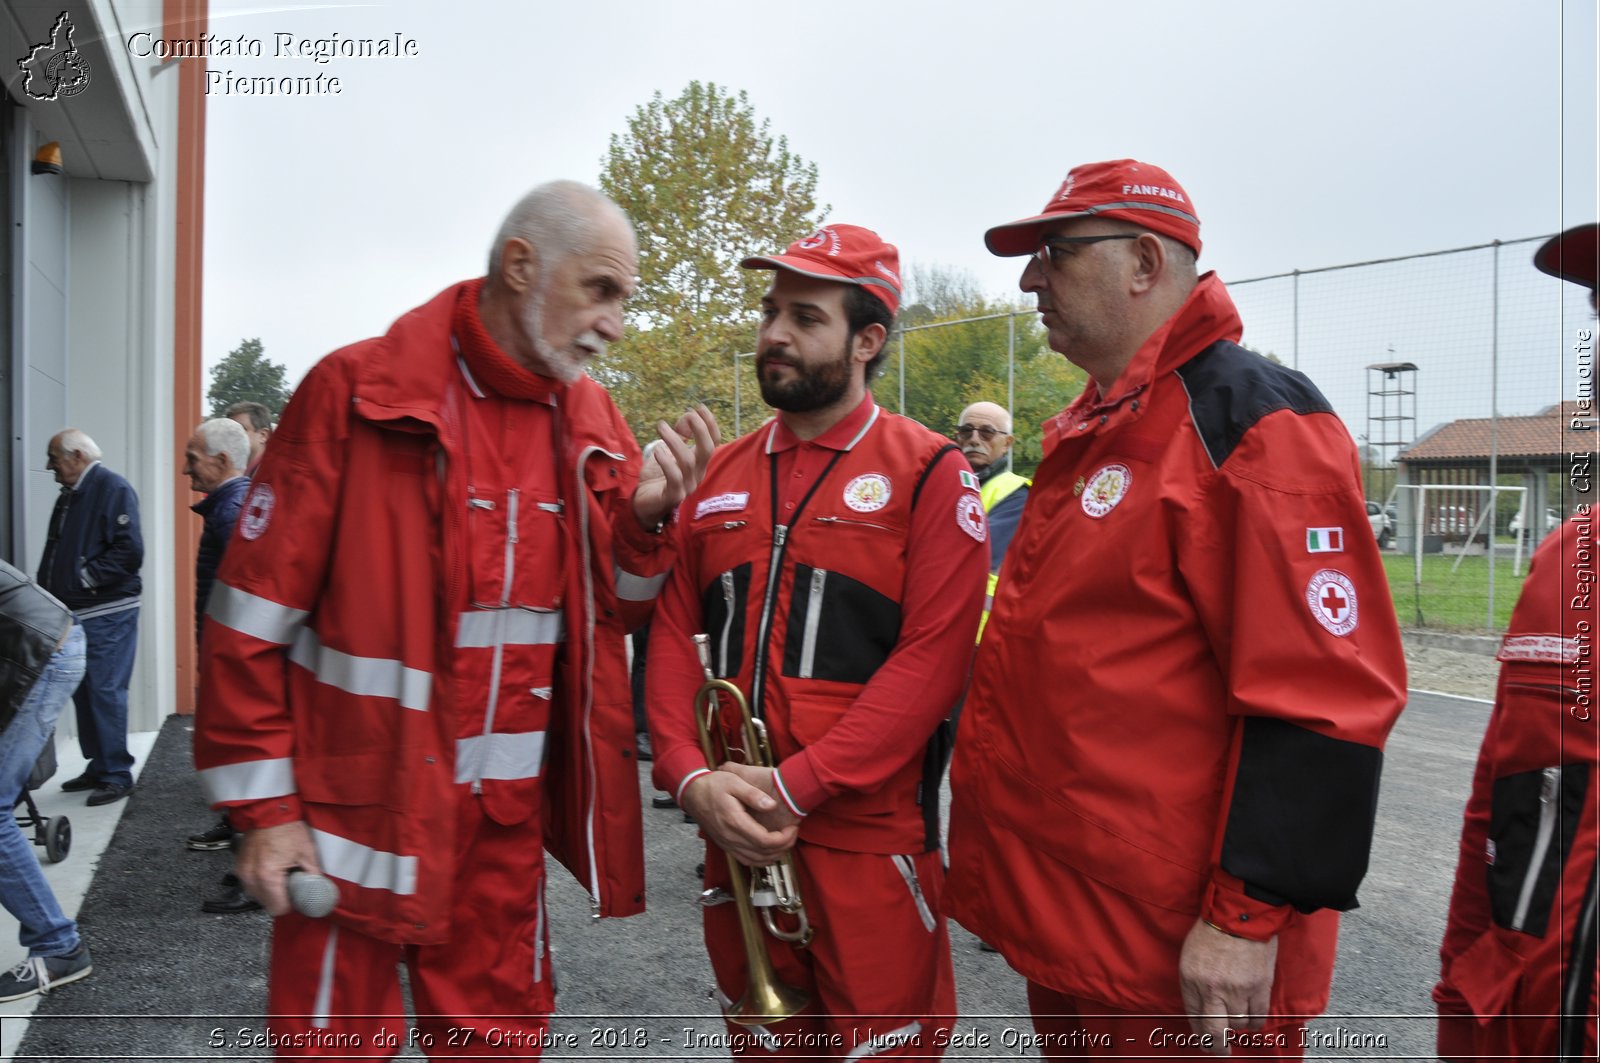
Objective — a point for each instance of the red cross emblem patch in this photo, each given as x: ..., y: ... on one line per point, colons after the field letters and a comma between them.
x: 256, y: 513
x: 1331, y: 598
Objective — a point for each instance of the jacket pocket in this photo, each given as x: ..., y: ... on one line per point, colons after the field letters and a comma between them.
x: 345, y: 779
x: 1533, y: 819
x: 1487, y: 974
x: 723, y: 604
x: 839, y: 628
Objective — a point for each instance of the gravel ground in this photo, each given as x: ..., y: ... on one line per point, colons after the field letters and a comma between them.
x: 1446, y: 671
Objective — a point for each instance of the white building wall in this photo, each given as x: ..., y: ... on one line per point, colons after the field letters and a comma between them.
x: 95, y: 302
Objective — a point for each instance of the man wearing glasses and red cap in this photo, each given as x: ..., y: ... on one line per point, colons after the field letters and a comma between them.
x: 836, y: 558
x: 1519, y: 966
x: 1167, y: 790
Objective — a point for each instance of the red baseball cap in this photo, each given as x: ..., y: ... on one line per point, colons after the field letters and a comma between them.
x: 845, y: 253
x: 1122, y: 188
x: 1573, y: 256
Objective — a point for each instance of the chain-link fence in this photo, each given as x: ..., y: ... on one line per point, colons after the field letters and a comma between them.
x: 1469, y: 350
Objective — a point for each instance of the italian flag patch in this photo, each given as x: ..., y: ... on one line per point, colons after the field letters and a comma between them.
x: 1324, y: 540
x: 970, y: 481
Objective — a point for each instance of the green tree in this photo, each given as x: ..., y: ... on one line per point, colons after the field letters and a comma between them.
x: 247, y: 374
x: 963, y: 361
x: 706, y: 185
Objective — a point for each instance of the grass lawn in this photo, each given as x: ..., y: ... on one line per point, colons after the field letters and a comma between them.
x: 1453, y: 601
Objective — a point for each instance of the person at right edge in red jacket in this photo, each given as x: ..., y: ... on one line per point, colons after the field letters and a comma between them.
x: 1165, y: 788
x: 1519, y: 964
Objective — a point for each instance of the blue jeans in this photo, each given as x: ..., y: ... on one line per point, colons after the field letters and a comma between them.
x: 23, y: 890
x: 102, y: 698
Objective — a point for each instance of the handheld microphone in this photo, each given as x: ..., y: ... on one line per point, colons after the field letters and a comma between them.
x: 311, y: 894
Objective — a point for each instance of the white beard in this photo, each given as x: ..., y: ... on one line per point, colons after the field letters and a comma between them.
x: 565, y: 364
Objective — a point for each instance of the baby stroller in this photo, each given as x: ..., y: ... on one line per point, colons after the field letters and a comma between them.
x: 52, y: 832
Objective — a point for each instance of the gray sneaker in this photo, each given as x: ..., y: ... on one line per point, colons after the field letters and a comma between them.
x: 40, y: 974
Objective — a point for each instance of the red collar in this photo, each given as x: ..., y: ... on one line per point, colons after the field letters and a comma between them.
x: 491, y: 368
x: 1206, y: 316
x: 842, y: 436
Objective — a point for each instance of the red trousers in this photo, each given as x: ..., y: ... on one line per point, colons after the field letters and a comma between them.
x: 878, y: 971
x: 334, y: 993
x: 1074, y: 1028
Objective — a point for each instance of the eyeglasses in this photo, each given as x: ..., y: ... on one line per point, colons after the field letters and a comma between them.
x: 1051, y: 246
x: 967, y: 431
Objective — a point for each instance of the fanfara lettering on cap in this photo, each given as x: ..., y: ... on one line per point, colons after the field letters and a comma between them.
x: 878, y: 265
x: 1153, y: 190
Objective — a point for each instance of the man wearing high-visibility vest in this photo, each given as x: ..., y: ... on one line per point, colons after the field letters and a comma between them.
x: 984, y: 435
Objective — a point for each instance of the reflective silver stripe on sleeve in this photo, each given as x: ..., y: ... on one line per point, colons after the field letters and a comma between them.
x: 251, y: 780
x: 364, y: 865
x: 499, y: 756
x: 255, y: 616
x: 631, y: 588
x: 487, y: 628
x: 377, y: 677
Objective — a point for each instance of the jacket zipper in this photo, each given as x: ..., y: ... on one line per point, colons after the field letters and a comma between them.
x: 497, y: 667
x: 1541, y: 844
x: 727, y: 623
x: 780, y: 535
x: 808, y: 642
x: 582, y: 502
x: 852, y: 521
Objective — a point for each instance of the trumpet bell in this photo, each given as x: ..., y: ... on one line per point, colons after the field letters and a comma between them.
x: 767, y: 1001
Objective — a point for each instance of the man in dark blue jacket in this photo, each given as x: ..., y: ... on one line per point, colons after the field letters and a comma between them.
x: 91, y: 562
x: 214, y: 460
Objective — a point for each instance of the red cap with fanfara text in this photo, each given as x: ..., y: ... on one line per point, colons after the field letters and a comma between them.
x: 845, y: 253
x: 1125, y: 189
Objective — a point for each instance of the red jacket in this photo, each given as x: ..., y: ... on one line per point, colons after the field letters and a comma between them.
x: 1518, y: 941
x: 1179, y: 706
x: 327, y: 679
x: 859, y: 624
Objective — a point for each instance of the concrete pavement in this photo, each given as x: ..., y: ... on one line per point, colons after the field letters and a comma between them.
x: 172, y: 983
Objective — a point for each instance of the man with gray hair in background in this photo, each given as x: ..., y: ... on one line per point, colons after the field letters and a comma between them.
x: 214, y: 459
x: 414, y: 677
x: 92, y: 556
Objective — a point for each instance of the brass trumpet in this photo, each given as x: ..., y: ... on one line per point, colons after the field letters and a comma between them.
x: 765, y: 1000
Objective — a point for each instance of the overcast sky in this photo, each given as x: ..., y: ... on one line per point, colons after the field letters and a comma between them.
x: 1306, y: 135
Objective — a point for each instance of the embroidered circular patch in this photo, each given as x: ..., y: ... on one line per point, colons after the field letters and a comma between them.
x: 969, y: 517
x: 1332, y: 600
x: 1105, y: 489
x: 867, y: 492
x: 257, y: 511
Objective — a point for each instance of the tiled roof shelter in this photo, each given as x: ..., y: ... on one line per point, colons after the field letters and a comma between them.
x: 1542, y: 440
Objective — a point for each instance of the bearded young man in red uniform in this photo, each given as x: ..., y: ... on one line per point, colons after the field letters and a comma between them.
x: 1167, y: 789
x: 836, y: 557
x: 1520, y: 962
x: 415, y: 674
